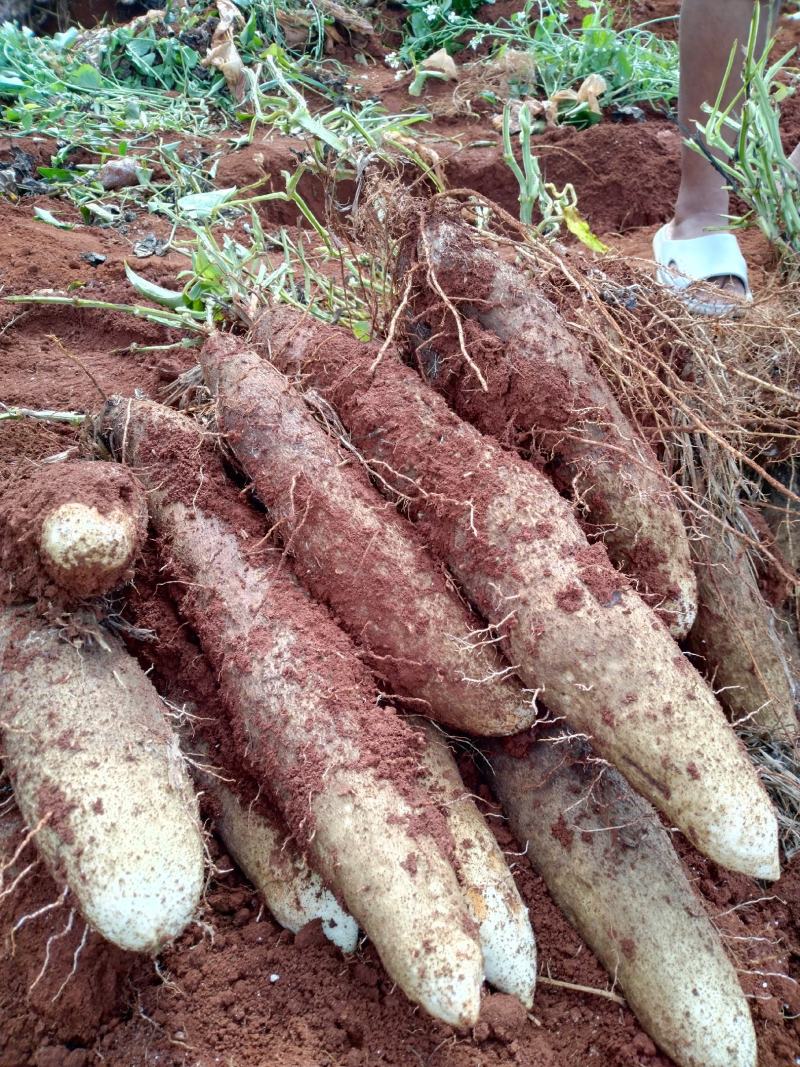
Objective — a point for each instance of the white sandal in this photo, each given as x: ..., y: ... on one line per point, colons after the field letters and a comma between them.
x: 684, y: 263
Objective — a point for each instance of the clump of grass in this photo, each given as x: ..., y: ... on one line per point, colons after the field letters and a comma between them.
x: 743, y: 141
x: 230, y: 279
x: 557, y: 207
x: 53, y: 89
x: 637, y: 66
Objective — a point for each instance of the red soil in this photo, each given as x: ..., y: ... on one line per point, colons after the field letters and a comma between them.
x: 25, y: 502
x: 252, y: 994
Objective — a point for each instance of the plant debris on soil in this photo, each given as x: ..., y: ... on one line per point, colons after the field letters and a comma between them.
x: 235, y: 989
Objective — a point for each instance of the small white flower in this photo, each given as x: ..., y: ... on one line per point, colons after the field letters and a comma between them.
x: 476, y: 41
x: 452, y: 16
x: 432, y: 11
x: 392, y: 61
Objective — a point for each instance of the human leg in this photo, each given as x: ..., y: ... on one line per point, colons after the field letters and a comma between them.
x: 708, y: 31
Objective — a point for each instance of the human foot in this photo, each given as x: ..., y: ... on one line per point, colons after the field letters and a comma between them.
x: 704, y: 266
x: 702, y: 224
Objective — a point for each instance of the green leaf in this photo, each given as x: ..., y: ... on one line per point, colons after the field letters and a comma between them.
x: 10, y: 84
x: 202, y: 205
x: 362, y: 329
x: 420, y: 27
x: 47, y: 216
x: 157, y: 293
x: 86, y: 77
x: 57, y: 174
x: 579, y: 227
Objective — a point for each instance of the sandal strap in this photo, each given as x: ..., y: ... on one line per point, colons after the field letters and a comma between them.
x: 701, y: 258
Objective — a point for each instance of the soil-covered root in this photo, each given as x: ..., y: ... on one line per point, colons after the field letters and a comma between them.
x: 542, y: 387
x: 70, y: 530
x: 782, y: 518
x: 304, y: 714
x: 739, y: 636
x: 506, y: 935
x: 612, y: 870
x: 97, y: 770
x: 782, y: 515
x: 258, y: 841
x: 569, y: 624
x: 357, y: 554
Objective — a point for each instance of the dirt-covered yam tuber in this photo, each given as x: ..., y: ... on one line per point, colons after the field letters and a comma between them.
x: 541, y: 384
x: 611, y: 869
x: 304, y: 714
x: 507, y: 940
x: 260, y: 844
x: 569, y: 623
x: 97, y: 769
x: 739, y: 637
x: 357, y: 554
x: 78, y: 525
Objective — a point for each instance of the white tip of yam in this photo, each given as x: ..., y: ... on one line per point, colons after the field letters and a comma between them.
x: 456, y: 1002
x: 85, y: 549
x: 504, y: 927
x: 509, y: 947
x: 148, y: 898
x: 294, y: 894
x: 718, y: 1033
x: 747, y: 841
x: 318, y: 902
x: 396, y: 881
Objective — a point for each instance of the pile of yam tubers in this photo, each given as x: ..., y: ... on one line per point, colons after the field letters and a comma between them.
x: 396, y: 574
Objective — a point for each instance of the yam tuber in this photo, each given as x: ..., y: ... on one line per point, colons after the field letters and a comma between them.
x: 611, y: 868
x: 570, y: 625
x: 93, y: 760
x: 356, y: 554
x: 541, y: 384
x: 303, y: 710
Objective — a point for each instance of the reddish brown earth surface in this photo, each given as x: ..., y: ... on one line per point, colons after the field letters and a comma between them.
x: 236, y: 990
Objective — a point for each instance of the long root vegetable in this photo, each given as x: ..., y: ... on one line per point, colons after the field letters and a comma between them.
x: 569, y: 624
x: 303, y: 710
x: 259, y: 843
x: 250, y: 828
x: 738, y: 636
x: 356, y: 554
x: 782, y: 516
x: 507, y: 940
x: 77, y: 525
x: 541, y: 384
x: 611, y: 869
x: 97, y: 769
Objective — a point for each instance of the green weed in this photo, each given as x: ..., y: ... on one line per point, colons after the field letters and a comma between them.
x: 638, y: 67
x: 743, y: 141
